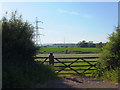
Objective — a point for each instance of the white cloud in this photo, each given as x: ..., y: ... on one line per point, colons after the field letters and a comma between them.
x: 87, y: 16
x: 68, y: 12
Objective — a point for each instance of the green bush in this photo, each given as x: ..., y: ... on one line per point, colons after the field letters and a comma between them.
x: 17, y: 40
x: 109, y: 61
x: 18, y: 50
x: 111, y: 75
x: 22, y: 76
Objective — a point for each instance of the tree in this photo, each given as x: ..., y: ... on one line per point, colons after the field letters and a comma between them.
x: 91, y: 44
x: 86, y: 44
x: 17, y: 41
x: 100, y: 45
x: 82, y: 44
x: 19, y: 70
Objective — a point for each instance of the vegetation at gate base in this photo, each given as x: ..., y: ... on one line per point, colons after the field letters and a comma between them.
x: 19, y: 69
x: 109, y: 63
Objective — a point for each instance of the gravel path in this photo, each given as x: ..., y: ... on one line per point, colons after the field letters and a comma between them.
x: 75, y: 82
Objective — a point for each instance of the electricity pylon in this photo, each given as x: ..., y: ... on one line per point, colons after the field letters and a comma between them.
x: 37, y: 38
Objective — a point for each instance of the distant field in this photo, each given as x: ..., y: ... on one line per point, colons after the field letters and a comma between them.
x: 72, y: 50
x: 71, y: 55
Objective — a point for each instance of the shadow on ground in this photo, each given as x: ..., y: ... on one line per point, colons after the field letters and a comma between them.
x: 74, y: 84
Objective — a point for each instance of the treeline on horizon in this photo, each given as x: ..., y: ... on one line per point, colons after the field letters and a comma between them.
x: 89, y: 44
x: 80, y: 44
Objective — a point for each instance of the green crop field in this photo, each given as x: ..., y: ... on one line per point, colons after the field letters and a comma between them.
x: 76, y: 63
x: 69, y: 50
x: 68, y: 55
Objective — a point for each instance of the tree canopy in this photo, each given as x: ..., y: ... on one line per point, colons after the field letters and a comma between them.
x: 86, y: 44
x: 17, y: 39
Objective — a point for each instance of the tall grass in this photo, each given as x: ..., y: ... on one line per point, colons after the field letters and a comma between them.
x: 109, y: 75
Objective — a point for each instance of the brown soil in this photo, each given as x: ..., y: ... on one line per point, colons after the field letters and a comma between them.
x: 77, y: 82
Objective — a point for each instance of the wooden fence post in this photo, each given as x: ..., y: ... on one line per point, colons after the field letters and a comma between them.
x: 51, y: 59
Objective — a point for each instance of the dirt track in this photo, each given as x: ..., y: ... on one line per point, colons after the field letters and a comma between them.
x: 73, y: 82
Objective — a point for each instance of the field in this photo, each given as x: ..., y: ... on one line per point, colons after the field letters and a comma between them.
x: 67, y: 70
x: 69, y: 50
x: 69, y: 55
x: 64, y: 52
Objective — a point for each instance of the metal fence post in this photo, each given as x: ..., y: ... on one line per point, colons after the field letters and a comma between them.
x: 51, y: 59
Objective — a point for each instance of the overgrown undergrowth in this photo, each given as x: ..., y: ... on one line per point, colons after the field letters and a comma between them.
x: 23, y: 76
x: 109, y: 75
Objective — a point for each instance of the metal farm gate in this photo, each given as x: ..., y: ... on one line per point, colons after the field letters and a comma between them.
x: 69, y: 62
